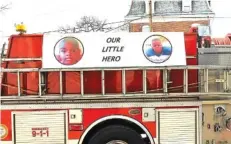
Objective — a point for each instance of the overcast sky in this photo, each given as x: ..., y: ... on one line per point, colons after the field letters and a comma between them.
x: 46, y: 15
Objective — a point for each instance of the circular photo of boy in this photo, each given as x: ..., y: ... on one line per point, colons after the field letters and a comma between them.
x: 68, y: 51
x: 157, y: 49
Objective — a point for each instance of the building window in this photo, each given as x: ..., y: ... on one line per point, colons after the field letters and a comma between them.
x: 145, y: 28
x: 186, y: 5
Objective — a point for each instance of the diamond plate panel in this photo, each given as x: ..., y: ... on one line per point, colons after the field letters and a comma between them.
x: 214, y: 56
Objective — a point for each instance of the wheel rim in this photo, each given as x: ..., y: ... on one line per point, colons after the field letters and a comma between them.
x: 116, y: 142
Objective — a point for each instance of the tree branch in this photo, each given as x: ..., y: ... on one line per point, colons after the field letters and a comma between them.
x: 4, y: 7
x: 86, y: 24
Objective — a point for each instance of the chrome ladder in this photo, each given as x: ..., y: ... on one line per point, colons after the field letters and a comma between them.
x: 203, y: 73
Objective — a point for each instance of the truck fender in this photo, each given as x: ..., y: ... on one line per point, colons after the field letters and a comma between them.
x: 116, y: 117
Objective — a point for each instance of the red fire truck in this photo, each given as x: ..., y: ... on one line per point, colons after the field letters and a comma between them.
x: 120, y: 105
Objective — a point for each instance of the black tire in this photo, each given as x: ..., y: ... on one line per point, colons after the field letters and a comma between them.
x: 116, y: 132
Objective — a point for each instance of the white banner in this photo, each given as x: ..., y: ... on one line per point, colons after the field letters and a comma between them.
x: 91, y: 50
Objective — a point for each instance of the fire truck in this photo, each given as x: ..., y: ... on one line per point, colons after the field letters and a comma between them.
x: 109, y: 105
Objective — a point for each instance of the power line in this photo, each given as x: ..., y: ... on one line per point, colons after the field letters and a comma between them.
x: 66, y: 29
x: 110, y: 23
x: 129, y: 21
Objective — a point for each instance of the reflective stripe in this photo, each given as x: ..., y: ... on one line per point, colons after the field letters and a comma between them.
x: 73, y: 141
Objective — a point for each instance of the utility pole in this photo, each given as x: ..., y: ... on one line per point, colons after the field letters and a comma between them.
x: 150, y: 15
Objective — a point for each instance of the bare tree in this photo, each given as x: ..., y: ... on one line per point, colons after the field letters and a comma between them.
x: 4, y: 7
x: 125, y: 28
x: 86, y: 24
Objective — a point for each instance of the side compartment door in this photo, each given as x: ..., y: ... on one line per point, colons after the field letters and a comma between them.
x: 40, y: 127
x: 177, y: 126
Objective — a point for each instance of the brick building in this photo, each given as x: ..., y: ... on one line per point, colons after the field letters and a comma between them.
x: 169, y: 15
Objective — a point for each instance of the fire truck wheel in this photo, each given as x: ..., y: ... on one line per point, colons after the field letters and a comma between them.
x: 116, y: 135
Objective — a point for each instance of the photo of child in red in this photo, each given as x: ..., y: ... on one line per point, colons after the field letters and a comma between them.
x: 68, y: 51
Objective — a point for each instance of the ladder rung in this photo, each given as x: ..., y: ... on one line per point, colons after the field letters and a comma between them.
x: 18, y: 81
x: 103, y: 82
x: 123, y: 81
x: 226, y: 80
x: 61, y: 82
x: 165, y: 80
x: 40, y: 84
x: 144, y: 81
x: 21, y: 59
x: 206, y: 85
x: 81, y: 83
x: 186, y: 80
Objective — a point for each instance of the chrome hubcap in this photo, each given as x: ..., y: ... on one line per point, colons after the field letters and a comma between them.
x: 116, y: 142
